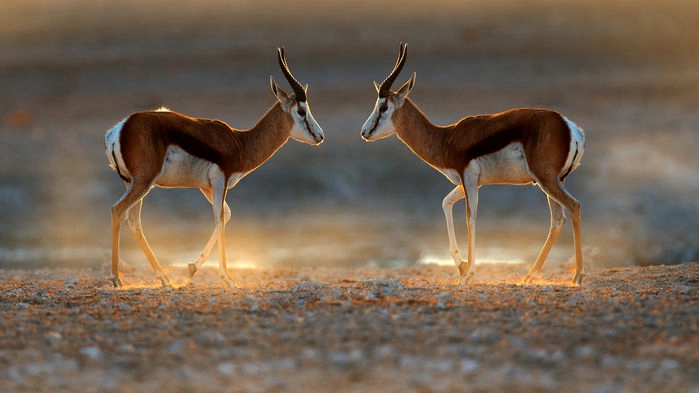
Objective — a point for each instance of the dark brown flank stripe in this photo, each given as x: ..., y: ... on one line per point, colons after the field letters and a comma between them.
x: 477, y: 136
x: 210, y: 140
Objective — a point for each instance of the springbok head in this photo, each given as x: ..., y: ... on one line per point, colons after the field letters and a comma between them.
x: 305, y: 128
x: 380, y: 124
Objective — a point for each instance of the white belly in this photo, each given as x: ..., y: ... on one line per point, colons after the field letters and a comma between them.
x: 184, y: 170
x: 506, y: 166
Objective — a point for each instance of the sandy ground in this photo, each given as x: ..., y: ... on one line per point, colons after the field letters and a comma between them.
x: 315, y: 329
x: 626, y: 72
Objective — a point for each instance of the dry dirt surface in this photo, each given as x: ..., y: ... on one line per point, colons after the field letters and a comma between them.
x: 331, y: 329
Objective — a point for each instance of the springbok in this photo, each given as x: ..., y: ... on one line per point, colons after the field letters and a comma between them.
x: 170, y: 150
x: 519, y: 146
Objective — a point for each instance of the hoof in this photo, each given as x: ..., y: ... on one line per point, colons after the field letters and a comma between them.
x: 463, y: 273
x: 231, y: 283
x: 116, y: 281
x: 577, y: 279
x: 191, y: 269
x: 165, y: 282
x: 463, y: 269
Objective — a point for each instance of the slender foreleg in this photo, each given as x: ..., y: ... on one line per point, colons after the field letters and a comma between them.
x: 194, y: 267
x: 219, y: 199
x: 470, y: 185
x: 447, y: 205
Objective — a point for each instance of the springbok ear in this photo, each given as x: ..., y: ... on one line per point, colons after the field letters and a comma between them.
x: 404, y: 90
x: 376, y: 86
x: 281, y: 95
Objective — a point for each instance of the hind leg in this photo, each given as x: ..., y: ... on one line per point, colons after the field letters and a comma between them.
x: 133, y: 221
x: 558, y: 219
x: 556, y: 191
x: 134, y: 193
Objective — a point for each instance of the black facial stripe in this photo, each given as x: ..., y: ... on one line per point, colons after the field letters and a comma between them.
x: 308, y: 128
x: 376, y: 124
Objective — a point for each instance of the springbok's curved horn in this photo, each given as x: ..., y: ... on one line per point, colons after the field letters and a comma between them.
x: 385, y: 87
x: 295, y: 85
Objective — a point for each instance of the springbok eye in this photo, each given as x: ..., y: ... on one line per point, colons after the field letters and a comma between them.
x: 301, y: 112
x: 383, y: 108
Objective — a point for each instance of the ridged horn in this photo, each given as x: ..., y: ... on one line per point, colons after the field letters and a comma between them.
x: 385, y: 87
x: 295, y: 85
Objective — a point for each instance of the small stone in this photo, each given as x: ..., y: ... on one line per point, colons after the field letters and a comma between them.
x: 469, y: 365
x: 53, y: 336
x: 69, y: 282
x: 226, y: 368
x: 93, y: 352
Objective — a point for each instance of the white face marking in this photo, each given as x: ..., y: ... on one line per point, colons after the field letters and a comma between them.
x: 305, y: 128
x: 113, y: 148
x: 379, y: 124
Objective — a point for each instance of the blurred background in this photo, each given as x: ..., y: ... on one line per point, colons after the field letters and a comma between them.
x: 625, y: 71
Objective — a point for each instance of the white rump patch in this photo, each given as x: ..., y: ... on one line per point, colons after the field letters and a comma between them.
x: 577, y: 146
x: 113, y: 149
x: 163, y: 109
